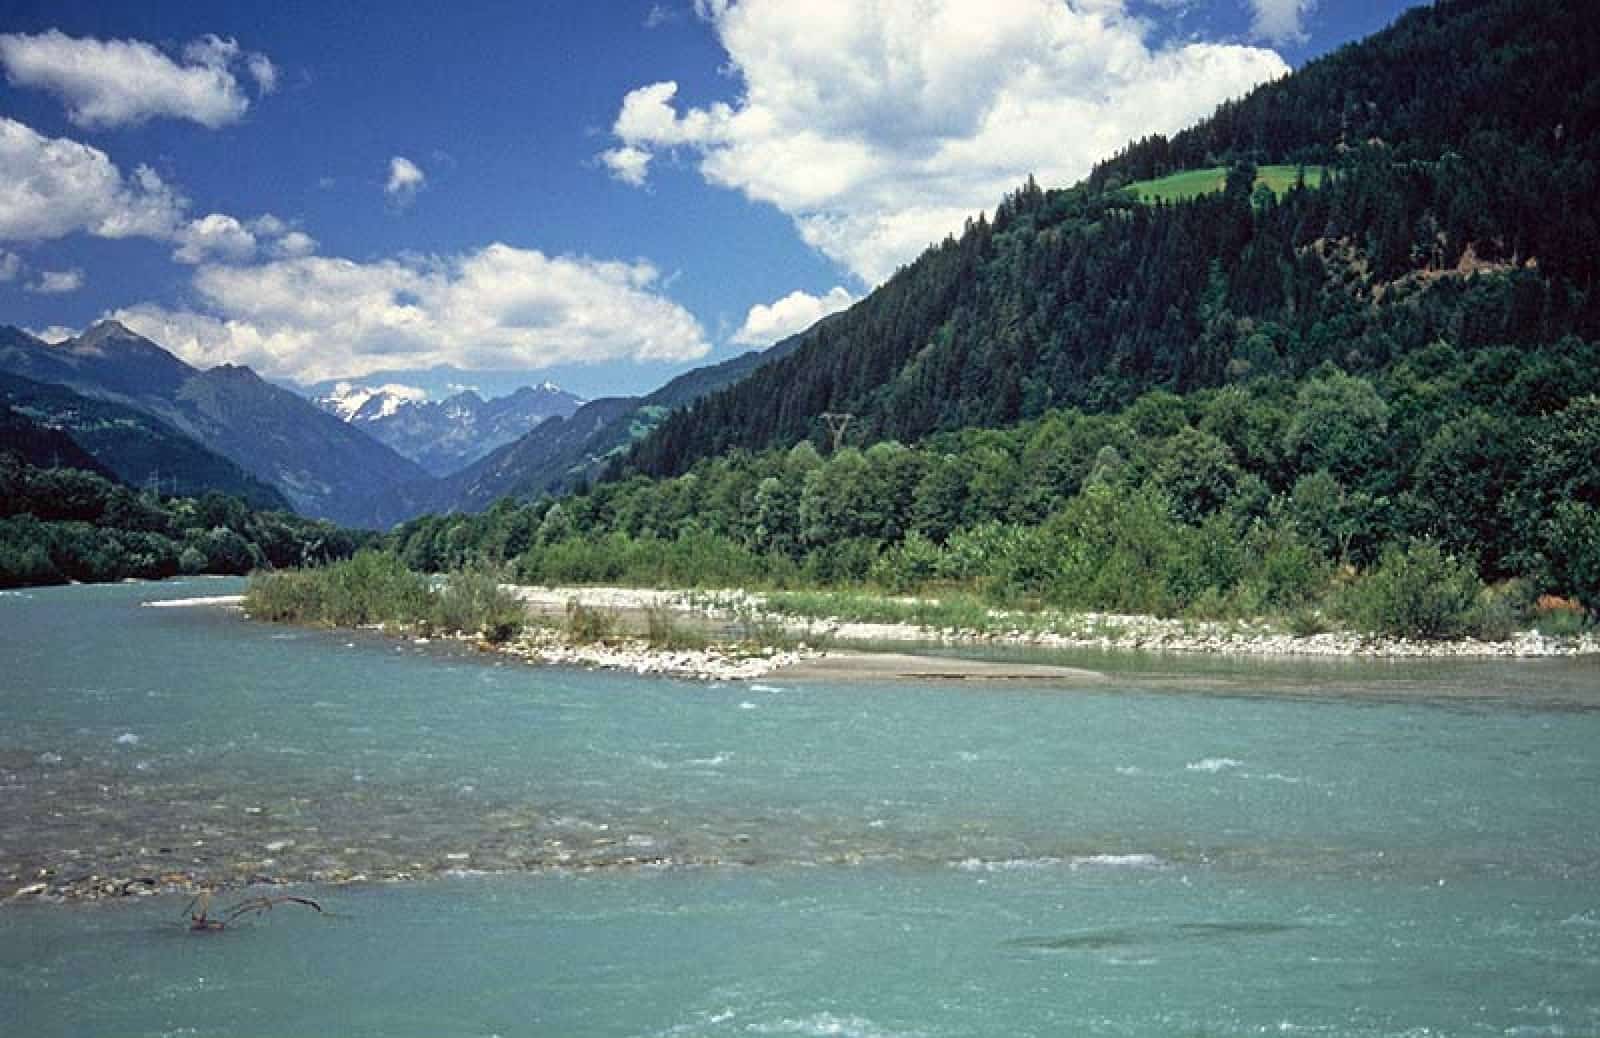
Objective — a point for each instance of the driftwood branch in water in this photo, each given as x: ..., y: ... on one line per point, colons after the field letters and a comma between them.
x: 201, y: 921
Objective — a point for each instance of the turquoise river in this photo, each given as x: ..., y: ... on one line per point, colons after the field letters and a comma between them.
x: 1194, y: 847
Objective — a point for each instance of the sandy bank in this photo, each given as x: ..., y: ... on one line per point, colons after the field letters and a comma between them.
x: 203, y: 600
x: 898, y: 666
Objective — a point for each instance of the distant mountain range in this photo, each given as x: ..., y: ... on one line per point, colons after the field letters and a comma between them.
x: 359, y: 455
x: 324, y: 466
x: 444, y: 436
x: 563, y: 452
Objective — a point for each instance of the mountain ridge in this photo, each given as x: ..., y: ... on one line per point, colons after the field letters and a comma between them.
x: 322, y: 466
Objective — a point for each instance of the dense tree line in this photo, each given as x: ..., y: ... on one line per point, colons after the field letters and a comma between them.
x: 61, y: 524
x: 1463, y: 150
x: 1261, y: 496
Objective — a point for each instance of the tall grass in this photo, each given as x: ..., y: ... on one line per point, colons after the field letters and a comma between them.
x: 663, y: 630
x: 376, y: 588
x: 590, y: 624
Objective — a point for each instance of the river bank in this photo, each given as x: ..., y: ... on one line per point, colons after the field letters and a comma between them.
x: 1045, y: 630
x: 739, y: 635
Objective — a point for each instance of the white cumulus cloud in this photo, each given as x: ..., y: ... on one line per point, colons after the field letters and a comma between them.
x: 10, y: 265
x: 766, y: 323
x: 661, y: 14
x: 215, y: 236
x: 263, y: 71
x: 313, y: 318
x: 57, y: 282
x: 405, y: 180
x: 628, y: 164
x: 52, y: 186
x: 1280, y: 21
x: 212, y: 51
x: 108, y: 83
x: 878, y: 127
x: 293, y: 244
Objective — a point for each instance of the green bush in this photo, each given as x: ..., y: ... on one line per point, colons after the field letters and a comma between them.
x: 1415, y: 592
x: 1494, y: 618
x: 1572, y: 548
x: 191, y: 560
x: 284, y: 596
x: 846, y: 561
x: 1114, y: 550
x: 1306, y: 622
x: 911, y: 564
x: 25, y: 554
x: 472, y: 601
x: 1283, y: 571
x: 1562, y: 623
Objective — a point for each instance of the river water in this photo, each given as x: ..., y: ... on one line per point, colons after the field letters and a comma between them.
x: 1191, y: 848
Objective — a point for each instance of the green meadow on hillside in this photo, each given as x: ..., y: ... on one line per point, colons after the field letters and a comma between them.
x: 1193, y: 183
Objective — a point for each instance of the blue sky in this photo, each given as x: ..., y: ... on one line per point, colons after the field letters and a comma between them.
x: 600, y: 194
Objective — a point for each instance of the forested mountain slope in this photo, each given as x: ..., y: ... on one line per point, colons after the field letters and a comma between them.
x: 42, y: 446
x: 1462, y: 148
x: 1381, y: 501
x: 132, y: 446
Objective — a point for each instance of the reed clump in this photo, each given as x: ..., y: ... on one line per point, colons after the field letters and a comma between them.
x: 376, y: 589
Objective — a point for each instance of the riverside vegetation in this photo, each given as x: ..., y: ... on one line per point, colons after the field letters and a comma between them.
x: 1429, y: 503
x: 1453, y: 496
x: 376, y: 590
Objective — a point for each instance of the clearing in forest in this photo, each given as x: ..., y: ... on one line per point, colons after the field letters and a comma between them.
x: 1177, y: 187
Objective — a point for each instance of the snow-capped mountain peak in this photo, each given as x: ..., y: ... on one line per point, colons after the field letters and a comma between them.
x: 353, y: 402
x: 444, y: 435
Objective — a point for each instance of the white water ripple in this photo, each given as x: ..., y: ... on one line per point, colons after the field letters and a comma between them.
x: 827, y: 1025
x: 1213, y: 765
x: 1081, y: 861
